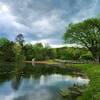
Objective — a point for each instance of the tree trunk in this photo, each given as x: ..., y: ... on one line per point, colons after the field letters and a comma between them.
x: 96, y: 53
x: 97, y: 59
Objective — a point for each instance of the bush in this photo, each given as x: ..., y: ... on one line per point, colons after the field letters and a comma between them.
x: 87, y: 56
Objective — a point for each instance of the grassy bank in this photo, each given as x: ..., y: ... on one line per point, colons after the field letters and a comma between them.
x: 92, y: 92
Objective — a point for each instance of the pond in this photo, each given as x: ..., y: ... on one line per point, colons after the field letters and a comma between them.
x: 36, y: 82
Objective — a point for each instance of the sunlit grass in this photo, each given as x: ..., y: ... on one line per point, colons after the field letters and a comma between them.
x: 92, y: 92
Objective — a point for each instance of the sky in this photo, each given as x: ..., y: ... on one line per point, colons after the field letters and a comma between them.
x: 43, y: 20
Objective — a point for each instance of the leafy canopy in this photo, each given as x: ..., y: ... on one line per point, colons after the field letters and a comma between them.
x: 86, y: 33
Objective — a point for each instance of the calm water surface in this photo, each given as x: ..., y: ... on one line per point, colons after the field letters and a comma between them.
x: 37, y: 82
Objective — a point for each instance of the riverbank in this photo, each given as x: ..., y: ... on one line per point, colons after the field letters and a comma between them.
x: 42, y: 62
x: 56, y: 61
x: 92, y: 92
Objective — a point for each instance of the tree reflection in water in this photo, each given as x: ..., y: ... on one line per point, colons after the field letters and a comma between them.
x: 29, y: 81
x: 16, y: 72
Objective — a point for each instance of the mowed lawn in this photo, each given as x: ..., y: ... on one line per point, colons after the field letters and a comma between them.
x: 92, y: 92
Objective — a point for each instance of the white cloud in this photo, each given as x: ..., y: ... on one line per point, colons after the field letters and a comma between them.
x: 8, y: 22
x: 43, y: 41
x: 5, y: 13
x: 47, y: 24
x: 40, y: 20
x: 43, y: 25
x: 3, y: 8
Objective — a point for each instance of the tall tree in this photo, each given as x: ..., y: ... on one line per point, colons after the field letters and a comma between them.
x: 19, y: 48
x: 20, y: 39
x: 86, y: 33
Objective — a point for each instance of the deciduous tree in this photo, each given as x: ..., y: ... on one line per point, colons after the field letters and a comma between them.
x: 86, y: 33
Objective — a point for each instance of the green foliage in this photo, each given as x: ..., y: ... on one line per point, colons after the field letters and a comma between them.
x: 92, y: 92
x: 6, y: 50
x: 38, y: 52
x: 3, y: 41
x: 11, y: 51
x: 28, y: 51
x: 87, y: 56
x: 21, y: 52
x: 71, y: 53
x: 19, y: 57
x: 17, y: 49
x: 86, y: 33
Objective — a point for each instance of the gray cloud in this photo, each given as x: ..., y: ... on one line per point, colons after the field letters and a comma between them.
x: 41, y: 20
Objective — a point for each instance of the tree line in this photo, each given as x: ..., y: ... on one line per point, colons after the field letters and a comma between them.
x: 11, y: 51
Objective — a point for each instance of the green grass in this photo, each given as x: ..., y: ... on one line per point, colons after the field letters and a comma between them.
x: 92, y: 92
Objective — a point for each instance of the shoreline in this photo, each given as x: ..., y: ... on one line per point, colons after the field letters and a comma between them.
x: 42, y: 62
x: 93, y: 73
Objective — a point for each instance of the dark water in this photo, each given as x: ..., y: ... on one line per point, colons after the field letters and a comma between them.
x: 37, y: 82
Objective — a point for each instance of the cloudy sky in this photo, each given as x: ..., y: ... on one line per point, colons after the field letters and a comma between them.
x: 43, y: 20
